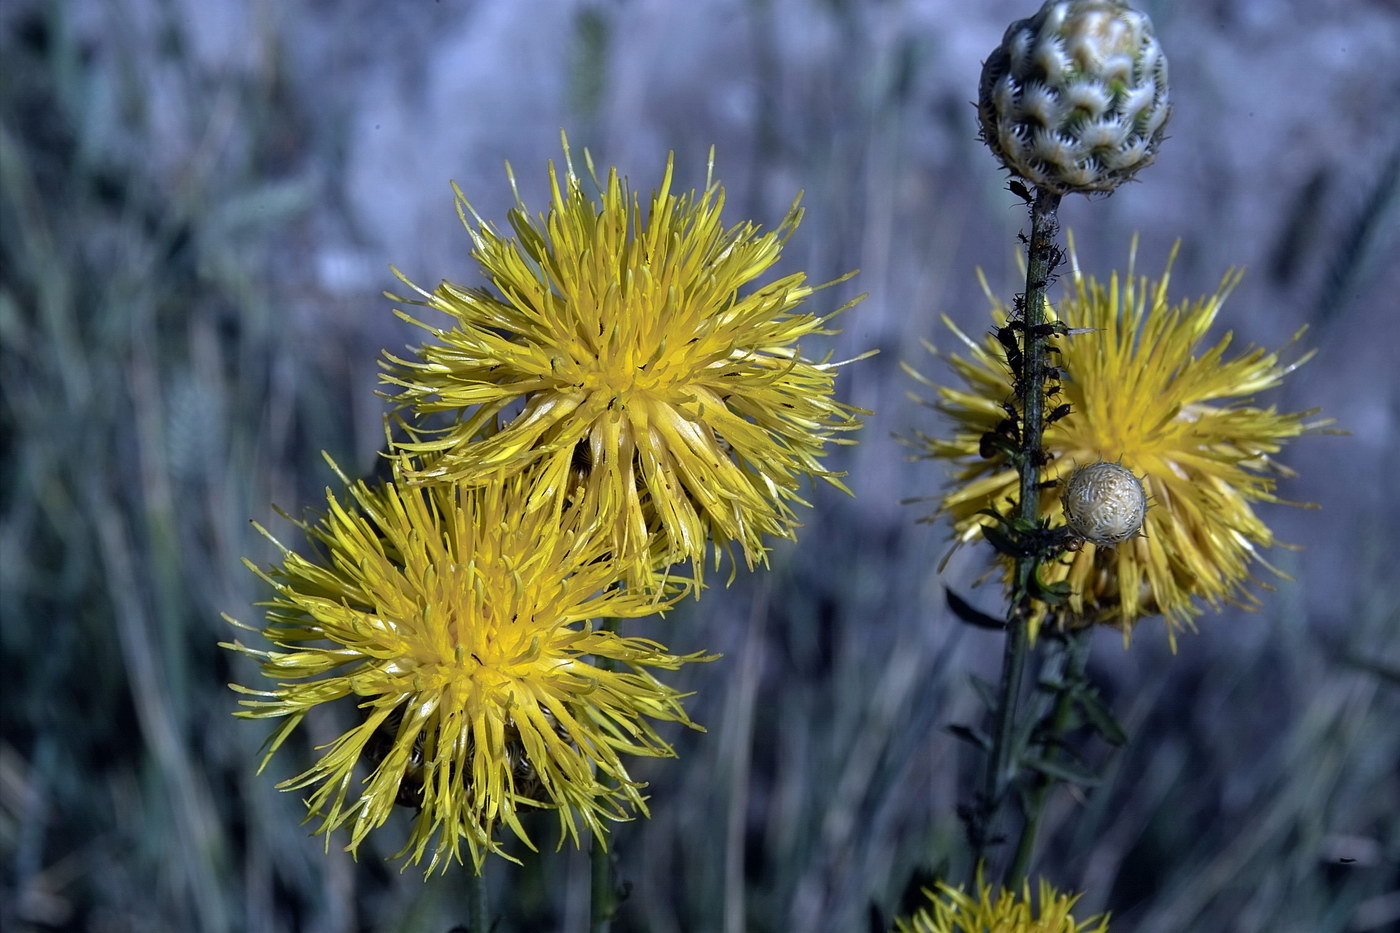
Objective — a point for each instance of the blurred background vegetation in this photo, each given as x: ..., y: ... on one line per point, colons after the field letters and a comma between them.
x: 199, y: 202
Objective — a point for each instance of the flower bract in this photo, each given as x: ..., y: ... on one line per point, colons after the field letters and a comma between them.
x: 951, y: 910
x: 459, y: 628
x: 616, y: 355
x: 1148, y: 391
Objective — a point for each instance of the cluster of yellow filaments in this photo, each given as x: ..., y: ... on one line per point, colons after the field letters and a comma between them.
x: 462, y: 629
x: 614, y: 357
x: 1148, y: 393
x: 611, y: 407
x: 951, y: 910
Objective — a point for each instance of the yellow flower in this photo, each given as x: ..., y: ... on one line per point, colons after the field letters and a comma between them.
x: 951, y: 910
x: 460, y: 627
x: 614, y: 354
x: 1146, y: 393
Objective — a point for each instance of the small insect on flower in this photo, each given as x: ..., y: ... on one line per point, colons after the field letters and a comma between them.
x: 459, y: 626
x: 1104, y: 503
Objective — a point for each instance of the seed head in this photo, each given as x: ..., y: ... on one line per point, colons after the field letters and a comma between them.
x: 1104, y: 503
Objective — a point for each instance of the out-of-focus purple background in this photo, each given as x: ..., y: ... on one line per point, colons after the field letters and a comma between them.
x: 200, y: 204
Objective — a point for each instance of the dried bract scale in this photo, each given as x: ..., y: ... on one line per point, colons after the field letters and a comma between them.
x: 1075, y: 98
x: 1104, y: 503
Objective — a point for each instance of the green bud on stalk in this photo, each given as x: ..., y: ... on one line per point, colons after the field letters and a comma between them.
x: 1075, y: 98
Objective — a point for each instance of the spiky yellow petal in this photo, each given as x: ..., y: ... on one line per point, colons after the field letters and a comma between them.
x: 459, y: 625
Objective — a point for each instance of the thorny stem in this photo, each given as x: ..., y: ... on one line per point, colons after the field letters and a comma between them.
x: 1072, y: 660
x: 1043, y: 255
x: 998, y: 774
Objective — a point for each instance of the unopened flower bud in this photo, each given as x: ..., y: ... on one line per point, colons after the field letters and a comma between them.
x: 1075, y: 98
x: 1104, y: 503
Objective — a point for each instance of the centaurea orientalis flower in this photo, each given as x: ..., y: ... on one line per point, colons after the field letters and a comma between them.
x: 461, y: 626
x: 951, y: 910
x: 616, y: 356
x: 1147, y: 392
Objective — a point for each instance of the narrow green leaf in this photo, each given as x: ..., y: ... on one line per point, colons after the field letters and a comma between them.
x: 985, y: 691
x: 1054, y: 594
x: 1003, y: 542
x: 1062, y: 771
x: 1023, y: 736
x: 971, y: 614
x: 1099, y: 716
x: 1379, y: 668
x: 970, y: 735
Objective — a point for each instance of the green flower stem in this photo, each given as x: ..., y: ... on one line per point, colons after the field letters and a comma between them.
x: 476, y: 902
x: 602, y: 890
x: 1042, y: 257
x: 1067, y: 666
x: 999, y: 765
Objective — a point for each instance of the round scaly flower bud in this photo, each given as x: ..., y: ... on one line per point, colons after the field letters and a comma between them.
x: 1075, y: 98
x: 1104, y: 503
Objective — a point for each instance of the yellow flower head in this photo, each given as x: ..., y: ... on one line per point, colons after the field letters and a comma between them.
x: 460, y: 627
x: 614, y: 354
x: 951, y: 910
x: 1145, y: 392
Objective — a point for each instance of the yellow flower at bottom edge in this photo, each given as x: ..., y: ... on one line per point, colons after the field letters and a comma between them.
x: 459, y: 624
x: 623, y: 343
x: 1146, y: 392
x: 951, y: 910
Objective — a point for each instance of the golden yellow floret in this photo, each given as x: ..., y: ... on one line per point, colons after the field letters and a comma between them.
x: 952, y: 910
x: 1148, y: 392
x: 615, y: 355
x: 461, y: 627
